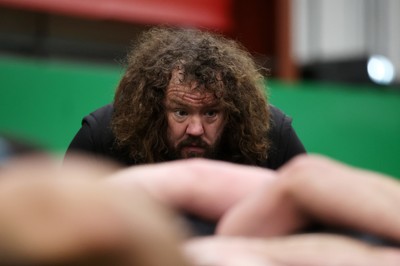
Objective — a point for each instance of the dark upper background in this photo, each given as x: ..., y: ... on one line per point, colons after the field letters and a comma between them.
x: 298, y: 39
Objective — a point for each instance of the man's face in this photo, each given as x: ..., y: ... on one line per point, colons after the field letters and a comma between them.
x: 195, y: 119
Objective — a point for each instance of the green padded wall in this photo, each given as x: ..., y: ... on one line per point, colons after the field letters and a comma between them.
x: 355, y: 124
x: 44, y: 101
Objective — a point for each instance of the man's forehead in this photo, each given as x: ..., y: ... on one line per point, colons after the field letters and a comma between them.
x: 188, y: 92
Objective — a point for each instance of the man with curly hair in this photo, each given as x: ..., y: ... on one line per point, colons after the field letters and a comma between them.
x: 189, y: 93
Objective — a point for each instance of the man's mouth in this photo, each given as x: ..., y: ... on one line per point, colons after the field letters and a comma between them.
x: 193, y: 148
x: 192, y: 151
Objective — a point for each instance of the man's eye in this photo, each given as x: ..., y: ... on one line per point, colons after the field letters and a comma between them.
x: 180, y: 113
x: 212, y: 113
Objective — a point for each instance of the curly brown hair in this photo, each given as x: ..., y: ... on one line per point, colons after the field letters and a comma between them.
x: 139, y: 120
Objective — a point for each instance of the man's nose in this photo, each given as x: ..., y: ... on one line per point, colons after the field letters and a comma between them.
x: 195, y: 126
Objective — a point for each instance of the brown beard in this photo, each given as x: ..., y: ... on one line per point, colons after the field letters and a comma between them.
x: 210, y: 152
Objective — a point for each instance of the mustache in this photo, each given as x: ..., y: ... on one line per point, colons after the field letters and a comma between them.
x: 193, y: 141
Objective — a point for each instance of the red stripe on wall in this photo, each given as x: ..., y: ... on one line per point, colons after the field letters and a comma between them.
x: 212, y: 14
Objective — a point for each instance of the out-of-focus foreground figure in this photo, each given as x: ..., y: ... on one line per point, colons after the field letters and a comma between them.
x: 313, y: 211
x: 52, y: 215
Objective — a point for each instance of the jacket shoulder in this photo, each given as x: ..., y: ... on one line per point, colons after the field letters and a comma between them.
x: 285, y: 144
x: 100, y: 117
x: 279, y: 121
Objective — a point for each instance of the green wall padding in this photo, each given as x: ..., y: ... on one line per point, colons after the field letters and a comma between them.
x: 44, y: 101
x: 355, y: 124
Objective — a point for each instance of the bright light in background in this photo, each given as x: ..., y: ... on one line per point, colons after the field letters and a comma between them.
x: 380, y: 70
